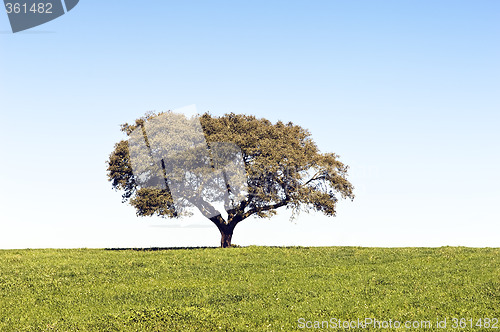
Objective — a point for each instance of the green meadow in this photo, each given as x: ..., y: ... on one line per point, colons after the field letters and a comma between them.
x: 248, y: 289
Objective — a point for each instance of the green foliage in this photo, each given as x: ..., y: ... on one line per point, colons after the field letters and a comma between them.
x: 282, y: 166
x: 242, y: 289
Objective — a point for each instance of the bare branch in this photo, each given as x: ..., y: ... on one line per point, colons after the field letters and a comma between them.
x: 314, y: 178
x: 266, y: 208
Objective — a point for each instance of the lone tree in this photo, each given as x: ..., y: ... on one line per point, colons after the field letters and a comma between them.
x: 251, y: 165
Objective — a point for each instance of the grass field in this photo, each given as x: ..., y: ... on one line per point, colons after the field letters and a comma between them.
x: 246, y: 289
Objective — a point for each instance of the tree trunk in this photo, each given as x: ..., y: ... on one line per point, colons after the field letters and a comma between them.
x: 226, y: 229
x: 226, y: 235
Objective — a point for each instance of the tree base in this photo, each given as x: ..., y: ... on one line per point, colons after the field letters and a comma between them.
x: 225, y: 241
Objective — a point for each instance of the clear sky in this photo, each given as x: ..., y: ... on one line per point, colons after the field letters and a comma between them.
x: 406, y: 92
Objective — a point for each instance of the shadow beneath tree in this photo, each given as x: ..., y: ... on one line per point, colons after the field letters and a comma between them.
x: 162, y: 248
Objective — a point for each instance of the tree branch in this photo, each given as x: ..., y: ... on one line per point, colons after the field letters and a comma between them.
x: 265, y: 208
x: 207, y: 210
x: 314, y: 178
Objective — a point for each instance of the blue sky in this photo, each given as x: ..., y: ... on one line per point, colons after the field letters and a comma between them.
x: 407, y: 93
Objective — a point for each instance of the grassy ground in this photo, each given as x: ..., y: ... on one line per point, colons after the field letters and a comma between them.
x: 245, y: 289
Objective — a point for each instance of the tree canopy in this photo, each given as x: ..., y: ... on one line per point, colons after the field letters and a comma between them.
x: 171, y: 163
